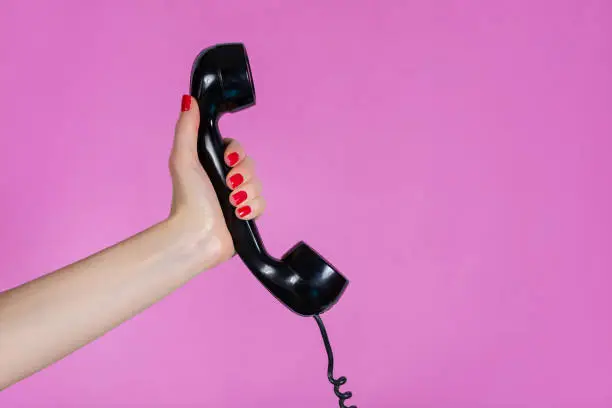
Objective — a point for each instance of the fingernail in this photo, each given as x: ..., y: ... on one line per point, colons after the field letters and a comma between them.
x: 232, y: 158
x: 185, y: 103
x: 239, y: 197
x: 244, y: 211
x: 236, y: 180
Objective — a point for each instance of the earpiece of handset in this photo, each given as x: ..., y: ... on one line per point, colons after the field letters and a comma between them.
x: 304, y: 281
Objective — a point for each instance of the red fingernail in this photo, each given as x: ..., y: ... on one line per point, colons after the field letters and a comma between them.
x: 244, y: 211
x: 185, y: 103
x: 236, y: 180
x: 239, y: 197
x: 232, y: 158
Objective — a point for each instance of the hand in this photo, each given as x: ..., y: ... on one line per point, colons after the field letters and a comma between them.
x: 76, y: 304
x: 194, y: 201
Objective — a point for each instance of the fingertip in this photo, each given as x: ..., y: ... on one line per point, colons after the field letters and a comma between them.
x: 251, y: 209
x: 245, y: 192
x: 189, y: 109
x: 232, y: 158
x: 244, y: 212
x: 234, y: 180
x: 186, y: 101
x: 234, y: 153
x: 186, y: 128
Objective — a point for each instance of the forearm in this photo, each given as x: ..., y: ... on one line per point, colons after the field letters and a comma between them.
x: 46, y: 319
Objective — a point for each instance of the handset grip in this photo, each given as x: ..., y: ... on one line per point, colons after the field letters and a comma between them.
x: 245, y: 235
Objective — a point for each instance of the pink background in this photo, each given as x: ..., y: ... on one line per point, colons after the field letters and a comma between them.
x: 463, y: 148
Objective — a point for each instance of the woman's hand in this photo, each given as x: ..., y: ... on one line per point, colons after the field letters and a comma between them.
x: 194, y: 203
x: 76, y: 304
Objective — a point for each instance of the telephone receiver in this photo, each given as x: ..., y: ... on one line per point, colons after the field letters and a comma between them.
x: 221, y: 82
x: 301, y: 279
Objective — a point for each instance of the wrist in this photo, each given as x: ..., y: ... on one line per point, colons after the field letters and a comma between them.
x: 205, y: 245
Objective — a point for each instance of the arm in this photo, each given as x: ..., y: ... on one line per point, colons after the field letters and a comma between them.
x: 78, y: 303
x: 46, y: 319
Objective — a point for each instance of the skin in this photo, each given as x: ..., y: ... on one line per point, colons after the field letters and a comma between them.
x: 78, y: 303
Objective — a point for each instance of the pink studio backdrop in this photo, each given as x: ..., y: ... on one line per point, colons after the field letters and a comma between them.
x: 463, y: 150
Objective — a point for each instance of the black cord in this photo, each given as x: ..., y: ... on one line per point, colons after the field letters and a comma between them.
x: 337, y: 382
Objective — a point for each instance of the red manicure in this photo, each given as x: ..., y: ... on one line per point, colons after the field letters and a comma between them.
x: 239, y: 197
x: 232, y: 158
x: 244, y: 211
x: 236, y: 180
x: 185, y: 103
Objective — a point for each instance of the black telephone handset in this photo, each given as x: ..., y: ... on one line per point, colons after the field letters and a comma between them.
x: 302, y: 280
x: 306, y: 283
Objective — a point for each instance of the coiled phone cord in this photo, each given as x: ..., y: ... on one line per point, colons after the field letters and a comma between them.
x: 337, y: 382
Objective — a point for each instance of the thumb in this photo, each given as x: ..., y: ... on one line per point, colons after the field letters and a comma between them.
x: 186, y: 130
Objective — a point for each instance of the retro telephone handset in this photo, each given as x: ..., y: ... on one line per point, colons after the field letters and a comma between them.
x: 302, y: 280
